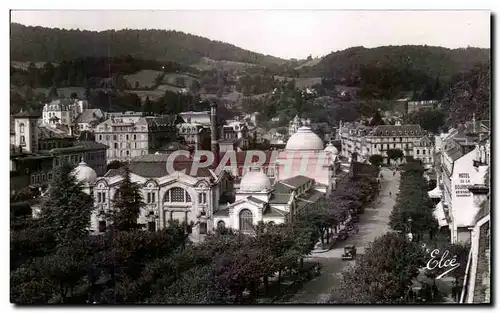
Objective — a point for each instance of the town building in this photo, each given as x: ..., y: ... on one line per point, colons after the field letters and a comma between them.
x: 463, y: 163
x: 258, y: 201
x: 131, y: 134
x: 88, y: 119
x: 416, y: 106
x: 63, y: 111
x: 202, y: 117
x: 195, y: 135
x: 366, y: 140
x: 182, y: 195
x: 423, y: 150
x: 39, y: 149
x: 305, y: 154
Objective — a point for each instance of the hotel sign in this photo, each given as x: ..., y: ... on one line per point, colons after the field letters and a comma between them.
x: 462, y: 189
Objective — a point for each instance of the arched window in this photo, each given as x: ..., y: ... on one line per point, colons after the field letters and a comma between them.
x: 23, y: 141
x: 221, y: 225
x: 177, y: 194
x: 246, y: 221
x: 21, y: 128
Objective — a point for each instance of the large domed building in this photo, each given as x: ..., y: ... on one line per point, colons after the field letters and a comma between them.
x: 304, y: 140
x: 255, y: 181
x: 85, y: 175
x: 305, y: 154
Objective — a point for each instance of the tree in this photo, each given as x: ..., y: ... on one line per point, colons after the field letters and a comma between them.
x: 127, y: 204
x: 430, y: 120
x: 394, y: 154
x: 376, y: 119
x: 376, y: 159
x: 66, y: 209
x: 53, y: 94
x: 383, y: 274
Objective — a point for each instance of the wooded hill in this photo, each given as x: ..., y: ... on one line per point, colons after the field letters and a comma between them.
x: 432, y: 61
x: 30, y: 43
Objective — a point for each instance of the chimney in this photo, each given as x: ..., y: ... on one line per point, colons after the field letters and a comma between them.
x: 214, y: 133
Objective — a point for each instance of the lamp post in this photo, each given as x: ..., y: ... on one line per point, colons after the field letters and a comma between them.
x: 409, y: 235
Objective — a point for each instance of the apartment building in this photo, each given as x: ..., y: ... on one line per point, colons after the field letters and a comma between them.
x: 463, y: 164
x: 366, y: 141
x: 131, y: 134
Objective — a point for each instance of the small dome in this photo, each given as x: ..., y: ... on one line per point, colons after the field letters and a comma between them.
x: 85, y: 174
x: 304, y: 140
x: 255, y: 181
x: 331, y: 149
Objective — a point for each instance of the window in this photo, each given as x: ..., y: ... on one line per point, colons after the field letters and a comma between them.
x: 418, y: 151
x: 99, y: 199
x: 100, y: 137
x: 21, y: 128
x: 49, y: 176
x: 103, y: 197
x: 128, y: 153
x: 126, y: 137
x: 246, y: 220
x: 135, y: 137
x: 394, y: 139
x: 107, y: 137
x: 423, y: 151
x: 114, y: 137
x: 23, y: 141
x: 152, y: 226
x: 203, y: 228
x: 116, y: 145
x: 177, y: 194
x: 400, y: 139
x: 102, y: 226
x: 221, y: 225
x: 202, y: 197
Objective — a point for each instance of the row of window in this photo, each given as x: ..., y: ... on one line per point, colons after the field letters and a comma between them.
x: 175, y: 194
x: 40, y: 178
x: 125, y: 145
x: 115, y: 137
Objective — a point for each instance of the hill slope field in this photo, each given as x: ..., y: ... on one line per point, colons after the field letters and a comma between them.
x: 39, y: 44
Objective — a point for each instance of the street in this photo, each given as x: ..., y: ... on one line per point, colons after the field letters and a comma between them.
x: 373, y: 223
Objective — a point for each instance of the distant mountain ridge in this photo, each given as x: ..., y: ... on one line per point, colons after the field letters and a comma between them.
x: 432, y: 60
x: 42, y: 44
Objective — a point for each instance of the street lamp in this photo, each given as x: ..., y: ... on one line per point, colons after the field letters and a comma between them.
x: 409, y: 235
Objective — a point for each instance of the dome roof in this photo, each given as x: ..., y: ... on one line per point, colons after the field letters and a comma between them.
x: 331, y: 149
x: 85, y: 174
x: 255, y: 181
x: 304, y: 140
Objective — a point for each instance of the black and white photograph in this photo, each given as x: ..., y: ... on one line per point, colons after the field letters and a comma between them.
x: 250, y: 157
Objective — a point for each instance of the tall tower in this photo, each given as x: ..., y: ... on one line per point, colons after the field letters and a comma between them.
x: 214, y: 132
x: 26, y: 129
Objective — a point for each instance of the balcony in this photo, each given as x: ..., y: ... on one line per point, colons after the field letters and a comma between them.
x: 477, y: 163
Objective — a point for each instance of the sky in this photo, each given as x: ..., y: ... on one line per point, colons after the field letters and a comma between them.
x: 289, y: 34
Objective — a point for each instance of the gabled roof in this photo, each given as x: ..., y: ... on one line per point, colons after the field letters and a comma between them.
x: 256, y: 200
x: 175, y: 146
x: 27, y: 114
x: 89, y: 115
x: 154, y: 166
x: 296, y: 181
x: 46, y: 132
x: 273, y: 212
x: 81, y: 146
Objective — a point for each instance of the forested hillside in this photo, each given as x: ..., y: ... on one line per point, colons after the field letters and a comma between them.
x: 433, y: 61
x: 52, y: 44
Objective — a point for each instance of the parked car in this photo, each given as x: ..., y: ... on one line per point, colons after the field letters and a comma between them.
x: 349, y: 252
